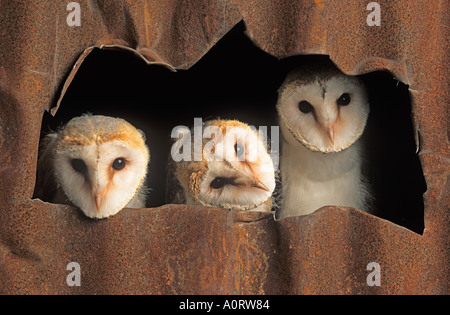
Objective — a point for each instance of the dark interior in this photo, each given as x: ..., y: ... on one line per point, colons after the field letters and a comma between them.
x: 237, y: 80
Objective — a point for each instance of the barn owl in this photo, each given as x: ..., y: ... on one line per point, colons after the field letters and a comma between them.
x: 234, y: 170
x: 96, y: 163
x: 322, y: 115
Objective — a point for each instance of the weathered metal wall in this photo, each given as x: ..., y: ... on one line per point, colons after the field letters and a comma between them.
x: 178, y: 249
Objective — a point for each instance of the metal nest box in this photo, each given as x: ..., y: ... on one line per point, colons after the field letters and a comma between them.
x: 194, y: 250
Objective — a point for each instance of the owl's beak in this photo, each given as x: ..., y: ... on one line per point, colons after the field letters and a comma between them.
x: 256, y: 182
x: 330, y: 132
x: 98, y: 199
x: 260, y: 185
x: 98, y: 202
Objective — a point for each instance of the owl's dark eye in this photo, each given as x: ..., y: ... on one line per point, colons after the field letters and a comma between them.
x: 305, y: 107
x: 218, y: 183
x: 239, y: 149
x: 344, y: 99
x: 79, y: 166
x: 118, y: 164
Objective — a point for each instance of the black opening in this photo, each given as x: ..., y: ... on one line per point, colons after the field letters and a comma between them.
x: 237, y: 80
x: 394, y: 169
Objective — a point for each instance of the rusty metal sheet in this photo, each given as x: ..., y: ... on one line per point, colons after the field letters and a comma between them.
x: 194, y: 250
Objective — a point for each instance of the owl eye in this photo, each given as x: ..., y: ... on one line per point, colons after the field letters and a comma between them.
x: 305, y: 107
x: 217, y: 183
x: 79, y: 166
x: 239, y: 149
x: 344, y: 99
x: 118, y: 164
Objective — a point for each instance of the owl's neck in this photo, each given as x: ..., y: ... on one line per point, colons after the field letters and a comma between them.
x: 321, y: 166
x: 312, y: 180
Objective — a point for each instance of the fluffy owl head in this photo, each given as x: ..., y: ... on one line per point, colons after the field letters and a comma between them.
x: 100, y: 162
x: 235, y: 171
x: 323, y: 108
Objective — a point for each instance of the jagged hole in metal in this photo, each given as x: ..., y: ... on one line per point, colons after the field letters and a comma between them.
x: 237, y: 80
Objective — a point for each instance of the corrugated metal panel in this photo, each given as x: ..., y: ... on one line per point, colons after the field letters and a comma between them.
x: 177, y: 249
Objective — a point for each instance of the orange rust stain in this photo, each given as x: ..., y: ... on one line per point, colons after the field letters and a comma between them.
x: 147, y: 18
x: 319, y: 4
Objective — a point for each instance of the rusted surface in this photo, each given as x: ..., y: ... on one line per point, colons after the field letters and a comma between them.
x: 170, y: 250
x: 198, y: 250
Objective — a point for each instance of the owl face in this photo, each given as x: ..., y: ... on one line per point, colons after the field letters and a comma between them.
x: 325, y: 113
x: 236, y: 171
x: 100, y: 162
